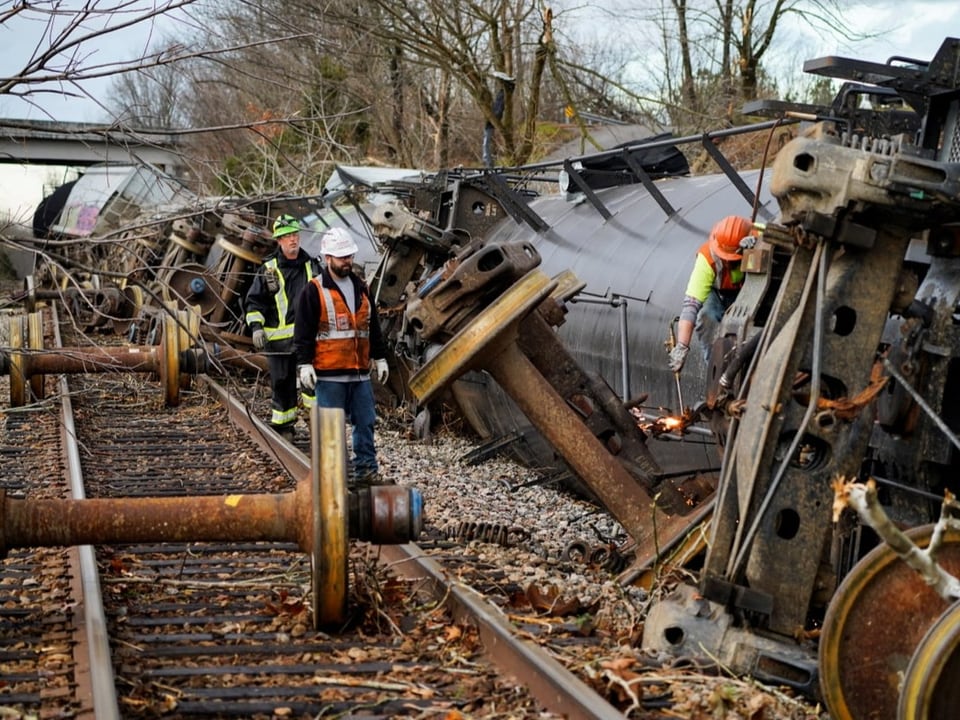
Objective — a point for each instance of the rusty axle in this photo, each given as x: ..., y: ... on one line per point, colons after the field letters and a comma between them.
x: 381, y: 515
x: 27, y: 362
x: 319, y: 516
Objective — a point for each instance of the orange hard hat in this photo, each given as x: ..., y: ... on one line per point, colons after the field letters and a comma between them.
x: 726, y: 235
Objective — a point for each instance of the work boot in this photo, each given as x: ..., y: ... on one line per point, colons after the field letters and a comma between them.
x: 370, y: 478
x: 287, y: 432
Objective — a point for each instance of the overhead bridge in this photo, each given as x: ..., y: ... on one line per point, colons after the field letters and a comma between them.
x: 47, y: 142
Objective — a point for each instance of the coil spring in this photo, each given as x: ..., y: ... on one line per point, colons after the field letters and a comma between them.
x: 606, y: 555
x: 867, y: 143
x: 489, y: 532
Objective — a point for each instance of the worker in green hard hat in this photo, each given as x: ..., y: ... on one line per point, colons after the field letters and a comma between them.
x: 269, y: 315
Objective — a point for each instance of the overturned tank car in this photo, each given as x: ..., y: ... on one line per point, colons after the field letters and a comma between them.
x: 838, y: 361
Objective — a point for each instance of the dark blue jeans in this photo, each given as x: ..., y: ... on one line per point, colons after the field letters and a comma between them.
x: 356, y: 400
x: 709, y: 317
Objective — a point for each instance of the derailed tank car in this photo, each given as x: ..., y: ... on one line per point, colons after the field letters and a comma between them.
x: 629, y: 236
x: 620, y: 259
x: 635, y: 265
x: 841, y: 359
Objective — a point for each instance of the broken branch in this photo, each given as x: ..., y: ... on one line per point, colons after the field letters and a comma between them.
x: 862, y: 498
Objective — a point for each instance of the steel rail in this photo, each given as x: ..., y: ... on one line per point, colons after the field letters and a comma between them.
x: 557, y: 688
x: 99, y: 672
x: 548, y: 681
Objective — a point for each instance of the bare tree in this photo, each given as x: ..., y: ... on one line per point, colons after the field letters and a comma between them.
x: 477, y: 46
x: 720, y: 47
x: 65, y: 56
x: 153, y: 97
x: 408, y: 82
x: 513, y: 66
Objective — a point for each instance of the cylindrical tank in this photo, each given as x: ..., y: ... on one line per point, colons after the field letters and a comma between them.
x: 635, y: 265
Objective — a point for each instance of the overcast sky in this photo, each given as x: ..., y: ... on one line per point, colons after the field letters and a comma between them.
x: 906, y: 28
x: 26, y: 34
x: 910, y: 28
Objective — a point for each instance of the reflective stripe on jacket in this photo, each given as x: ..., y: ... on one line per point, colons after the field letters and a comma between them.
x: 283, y: 330
x: 343, y: 337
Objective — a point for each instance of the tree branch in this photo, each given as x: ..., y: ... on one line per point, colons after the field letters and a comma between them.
x: 862, y: 498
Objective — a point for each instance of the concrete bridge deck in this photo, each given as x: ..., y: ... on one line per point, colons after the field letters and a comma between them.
x: 47, y: 142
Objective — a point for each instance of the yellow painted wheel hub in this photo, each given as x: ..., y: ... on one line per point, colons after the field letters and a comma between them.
x: 874, y: 624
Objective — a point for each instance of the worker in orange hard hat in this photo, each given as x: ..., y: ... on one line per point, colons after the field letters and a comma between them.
x: 713, y: 285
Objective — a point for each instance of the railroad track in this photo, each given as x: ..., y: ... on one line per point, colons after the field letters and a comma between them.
x: 225, y: 629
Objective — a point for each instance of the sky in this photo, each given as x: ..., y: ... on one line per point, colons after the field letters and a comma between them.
x: 23, y: 36
x: 109, y: 38
x: 904, y: 28
x: 907, y: 28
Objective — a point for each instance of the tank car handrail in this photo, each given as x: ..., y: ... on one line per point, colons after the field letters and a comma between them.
x: 683, y: 140
x: 706, y: 139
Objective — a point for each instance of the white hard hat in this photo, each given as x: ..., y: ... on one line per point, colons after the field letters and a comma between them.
x: 337, y: 242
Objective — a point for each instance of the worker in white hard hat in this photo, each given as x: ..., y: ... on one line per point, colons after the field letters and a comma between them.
x: 338, y: 342
x: 269, y: 305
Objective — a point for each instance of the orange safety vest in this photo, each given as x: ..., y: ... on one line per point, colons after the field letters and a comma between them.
x: 730, y: 276
x: 343, y: 337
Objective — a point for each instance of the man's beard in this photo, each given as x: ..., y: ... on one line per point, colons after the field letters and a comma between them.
x: 341, y: 271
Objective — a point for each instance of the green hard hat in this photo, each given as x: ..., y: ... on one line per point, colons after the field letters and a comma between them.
x: 284, y: 225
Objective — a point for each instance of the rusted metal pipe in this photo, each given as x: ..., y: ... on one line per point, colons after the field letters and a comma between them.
x: 109, y: 521
x: 93, y: 360
x: 95, y: 306
x: 381, y: 515
x: 228, y: 355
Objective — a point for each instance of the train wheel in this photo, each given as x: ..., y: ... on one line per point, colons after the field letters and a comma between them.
x: 18, y: 362
x: 931, y: 689
x: 485, y: 335
x: 875, y: 621
x: 30, y: 294
x: 239, y: 251
x: 129, y: 311
x: 193, y: 285
x: 35, y: 342
x: 170, y: 358
x: 189, y: 327
x: 191, y: 247
x: 328, y: 546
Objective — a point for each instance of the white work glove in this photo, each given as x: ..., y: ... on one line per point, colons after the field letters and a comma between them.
x: 381, y: 369
x: 308, y: 377
x: 678, y: 356
x: 259, y: 339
